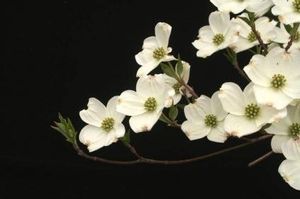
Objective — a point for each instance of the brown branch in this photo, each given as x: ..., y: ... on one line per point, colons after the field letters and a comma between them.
x: 258, y: 160
x: 237, y: 67
x: 188, y: 88
x: 292, y: 38
x: 259, y: 39
x: 142, y: 159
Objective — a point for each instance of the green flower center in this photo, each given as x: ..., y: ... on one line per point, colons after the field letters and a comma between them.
x: 296, y: 5
x: 159, y: 53
x: 177, y: 87
x: 107, y: 124
x: 150, y: 104
x: 278, y: 81
x: 294, y: 130
x: 211, y: 121
x: 251, y: 37
x: 218, y: 39
x: 252, y: 111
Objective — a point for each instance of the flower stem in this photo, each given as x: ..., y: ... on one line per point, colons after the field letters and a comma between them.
x: 260, y: 159
x: 293, y: 36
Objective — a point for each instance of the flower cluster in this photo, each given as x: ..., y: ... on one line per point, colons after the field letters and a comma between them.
x: 270, y: 103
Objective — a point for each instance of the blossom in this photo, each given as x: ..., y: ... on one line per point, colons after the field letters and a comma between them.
x: 104, y: 124
x: 155, y: 50
x: 285, y: 129
x: 219, y: 34
x: 246, y: 116
x: 276, y: 77
x: 145, y: 105
x: 205, y: 117
x: 266, y: 29
x: 259, y: 7
x: 288, y: 11
x: 233, y: 6
x: 175, y: 85
x: 290, y: 168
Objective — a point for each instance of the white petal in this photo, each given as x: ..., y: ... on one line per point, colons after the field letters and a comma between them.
x: 291, y: 149
x: 232, y: 98
x: 194, y: 131
x: 162, y: 33
x: 147, y: 62
x: 277, y: 142
x: 129, y: 103
x: 269, y: 115
x: 193, y: 113
x: 217, y: 107
x: 292, y: 87
x: 150, y: 43
x: 112, y: 110
x: 218, y: 134
x: 290, y: 171
x: 256, y: 72
x: 95, y: 137
x: 240, y: 126
x: 94, y: 114
x: 203, y: 103
x: 143, y: 122
x: 206, y: 34
x: 219, y: 22
x: 151, y: 86
x: 280, y: 127
x: 119, y: 130
x: 271, y: 97
x: 205, y: 49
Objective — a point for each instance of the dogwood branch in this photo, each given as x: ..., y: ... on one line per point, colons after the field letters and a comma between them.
x: 142, y: 159
x: 259, y: 39
x: 293, y: 36
x: 260, y: 159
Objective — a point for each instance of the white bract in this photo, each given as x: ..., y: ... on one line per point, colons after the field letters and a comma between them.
x: 259, y: 7
x: 220, y: 33
x: 285, y: 129
x: 174, y: 84
x: 265, y: 28
x: 145, y: 105
x: 233, y: 6
x: 205, y: 117
x: 276, y: 77
x: 246, y: 116
x: 155, y: 50
x: 104, y: 124
x: 290, y: 168
x: 288, y: 11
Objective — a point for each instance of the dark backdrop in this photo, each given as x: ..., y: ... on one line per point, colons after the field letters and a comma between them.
x: 58, y: 54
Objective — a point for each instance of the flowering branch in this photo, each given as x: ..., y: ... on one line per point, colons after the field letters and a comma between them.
x: 140, y: 159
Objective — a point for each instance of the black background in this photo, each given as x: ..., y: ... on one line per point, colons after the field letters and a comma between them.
x: 58, y: 54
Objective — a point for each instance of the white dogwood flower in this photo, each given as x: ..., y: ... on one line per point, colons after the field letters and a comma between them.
x: 259, y: 7
x: 233, y: 6
x: 276, y: 77
x: 205, y: 117
x: 219, y: 34
x: 174, y: 84
x: 246, y: 116
x: 285, y: 129
x: 290, y: 168
x: 104, y: 124
x: 155, y: 50
x: 266, y: 29
x: 288, y: 11
x: 145, y: 105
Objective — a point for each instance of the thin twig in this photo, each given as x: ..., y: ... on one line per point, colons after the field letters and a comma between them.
x: 236, y: 65
x: 142, y: 159
x: 258, y: 160
x: 292, y: 38
x: 259, y: 39
x: 188, y: 88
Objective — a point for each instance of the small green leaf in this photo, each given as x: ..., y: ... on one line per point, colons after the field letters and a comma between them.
x: 164, y: 119
x: 245, y: 19
x: 66, y: 128
x: 181, y: 106
x: 173, y: 113
x: 126, y: 138
x: 179, y: 68
x: 168, y: 70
